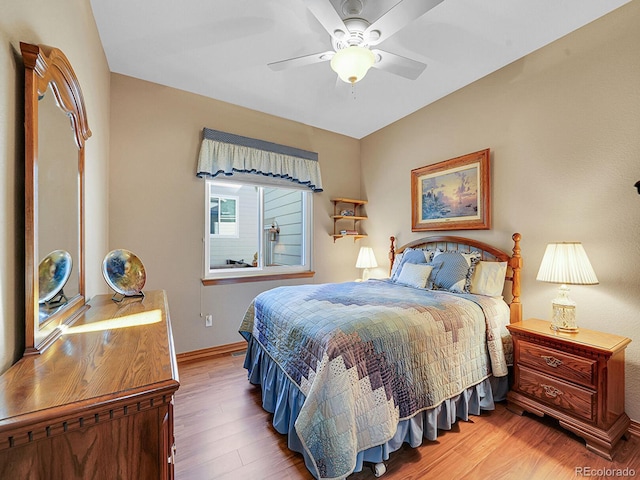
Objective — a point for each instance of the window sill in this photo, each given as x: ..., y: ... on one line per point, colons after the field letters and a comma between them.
x: 256, y: 278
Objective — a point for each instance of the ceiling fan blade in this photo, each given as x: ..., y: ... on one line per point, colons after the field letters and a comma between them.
x: 392, y: 63
x: 328, y: 17
x: 400, y: 15
x: 301, y: 61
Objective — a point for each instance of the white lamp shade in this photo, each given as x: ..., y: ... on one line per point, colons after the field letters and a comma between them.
x: 366, y: 258
x: 566, y: 263
x: 352, y: 63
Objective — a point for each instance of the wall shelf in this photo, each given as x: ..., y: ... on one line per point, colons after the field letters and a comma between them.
x: 339, y: 206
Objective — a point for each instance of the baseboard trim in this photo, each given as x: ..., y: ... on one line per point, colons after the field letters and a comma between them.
x: 211, y: 352
x: 634, y: 428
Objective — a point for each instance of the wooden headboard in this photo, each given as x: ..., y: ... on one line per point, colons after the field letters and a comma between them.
x: 488, y: 253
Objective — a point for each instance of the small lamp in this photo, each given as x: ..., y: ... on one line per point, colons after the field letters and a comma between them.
x: 366, y: 260
x: 565, y: 263
x: 352, y: 63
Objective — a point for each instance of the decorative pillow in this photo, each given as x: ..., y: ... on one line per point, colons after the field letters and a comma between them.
x: 453, y: 270
x: 411, y: 255
x: 414, y: 274
x: 488, y: 278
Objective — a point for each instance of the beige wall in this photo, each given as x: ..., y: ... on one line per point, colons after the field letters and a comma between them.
x: 69, y: 26
x: 157, y: 203
x: 564, y: 128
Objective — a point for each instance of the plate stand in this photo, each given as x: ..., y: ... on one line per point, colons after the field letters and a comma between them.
x: 55, y: 302
x: 118, y: 297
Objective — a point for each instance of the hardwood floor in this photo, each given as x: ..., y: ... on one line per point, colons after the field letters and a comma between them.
x: 223, y: 433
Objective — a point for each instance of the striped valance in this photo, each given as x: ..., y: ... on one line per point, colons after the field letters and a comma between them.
x: 226, y: 153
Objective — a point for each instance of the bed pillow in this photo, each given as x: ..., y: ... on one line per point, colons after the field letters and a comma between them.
x: 396, y: 264
x: 414, y: 275
x: 411, y: 255
x: 488, y: 278
x: 452, y: 270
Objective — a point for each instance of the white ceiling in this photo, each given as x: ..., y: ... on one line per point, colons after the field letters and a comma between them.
x: 221, y: 48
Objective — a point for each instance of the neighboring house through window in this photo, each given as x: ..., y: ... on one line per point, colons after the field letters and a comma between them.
x: 259, y: 229
x: 223, y: 216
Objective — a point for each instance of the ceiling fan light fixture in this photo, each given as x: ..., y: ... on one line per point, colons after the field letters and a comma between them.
x: 352, y: 7
x: 352, y: 63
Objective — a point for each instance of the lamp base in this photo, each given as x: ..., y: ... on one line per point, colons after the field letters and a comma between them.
x: 564, y: 329
x: 563, y: 317
x: 365, y: 275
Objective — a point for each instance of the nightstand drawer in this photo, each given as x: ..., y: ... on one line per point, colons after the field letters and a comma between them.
x: 571, y: 399
x: 559, y: 364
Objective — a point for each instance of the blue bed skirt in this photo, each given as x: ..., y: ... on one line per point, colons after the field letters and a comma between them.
x: 283, y: 399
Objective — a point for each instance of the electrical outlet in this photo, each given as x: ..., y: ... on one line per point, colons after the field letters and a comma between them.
x: 208, y: 321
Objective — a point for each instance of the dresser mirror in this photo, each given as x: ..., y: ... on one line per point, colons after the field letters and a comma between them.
x: 55, y: 133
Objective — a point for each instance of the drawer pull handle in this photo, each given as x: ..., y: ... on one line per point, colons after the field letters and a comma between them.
x: 550, y: 391
x: 552, y: 361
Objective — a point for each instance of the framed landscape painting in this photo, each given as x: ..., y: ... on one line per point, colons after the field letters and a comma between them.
x: 452, y: 195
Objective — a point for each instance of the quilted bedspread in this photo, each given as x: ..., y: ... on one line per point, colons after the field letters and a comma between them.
x: 367, y: 355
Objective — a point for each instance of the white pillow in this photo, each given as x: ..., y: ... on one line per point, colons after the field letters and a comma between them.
x: 414, y: 274
x: 488, y: 278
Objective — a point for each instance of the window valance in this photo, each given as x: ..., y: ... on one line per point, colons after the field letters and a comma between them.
x: 226, y: 153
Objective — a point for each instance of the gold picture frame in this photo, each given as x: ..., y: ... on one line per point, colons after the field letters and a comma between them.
x: 452, y: 195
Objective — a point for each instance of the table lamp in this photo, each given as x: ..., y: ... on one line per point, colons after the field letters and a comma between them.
x: 366, y: 260
x: 565, y: 263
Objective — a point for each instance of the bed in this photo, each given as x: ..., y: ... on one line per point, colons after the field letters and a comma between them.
x: 351, y: 371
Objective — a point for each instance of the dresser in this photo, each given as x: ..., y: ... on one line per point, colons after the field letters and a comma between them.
x: 98, y: 403
x: 577, y: 378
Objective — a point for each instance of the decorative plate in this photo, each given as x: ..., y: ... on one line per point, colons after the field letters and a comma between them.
x: 53, y: 272
x: 124, y: 272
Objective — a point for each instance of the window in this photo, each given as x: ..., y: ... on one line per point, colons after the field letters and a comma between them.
x: 256, y: 229
x: 223, y: 216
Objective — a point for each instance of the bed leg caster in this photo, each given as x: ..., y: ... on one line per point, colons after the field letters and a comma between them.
x: 379, y: 469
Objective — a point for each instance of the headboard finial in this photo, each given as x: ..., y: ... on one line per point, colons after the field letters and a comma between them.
x: 516, y: 265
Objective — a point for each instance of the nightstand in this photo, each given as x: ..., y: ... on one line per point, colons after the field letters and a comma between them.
x: 577, y: 378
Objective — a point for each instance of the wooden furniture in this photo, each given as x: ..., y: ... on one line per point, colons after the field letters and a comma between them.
x: 98, y: 402
x: 577, y: 378
x: 488, y: 253
x: 54, y: 200
x: 339, y: 205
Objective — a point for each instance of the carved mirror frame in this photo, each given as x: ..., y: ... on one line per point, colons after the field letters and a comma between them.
x: 47, y: 70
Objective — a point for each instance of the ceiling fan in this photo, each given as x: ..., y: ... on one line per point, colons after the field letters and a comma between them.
x: 353, y: 37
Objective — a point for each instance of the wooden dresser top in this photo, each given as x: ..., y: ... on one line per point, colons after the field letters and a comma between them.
x: 113, y: 351
x: 590, y: 338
